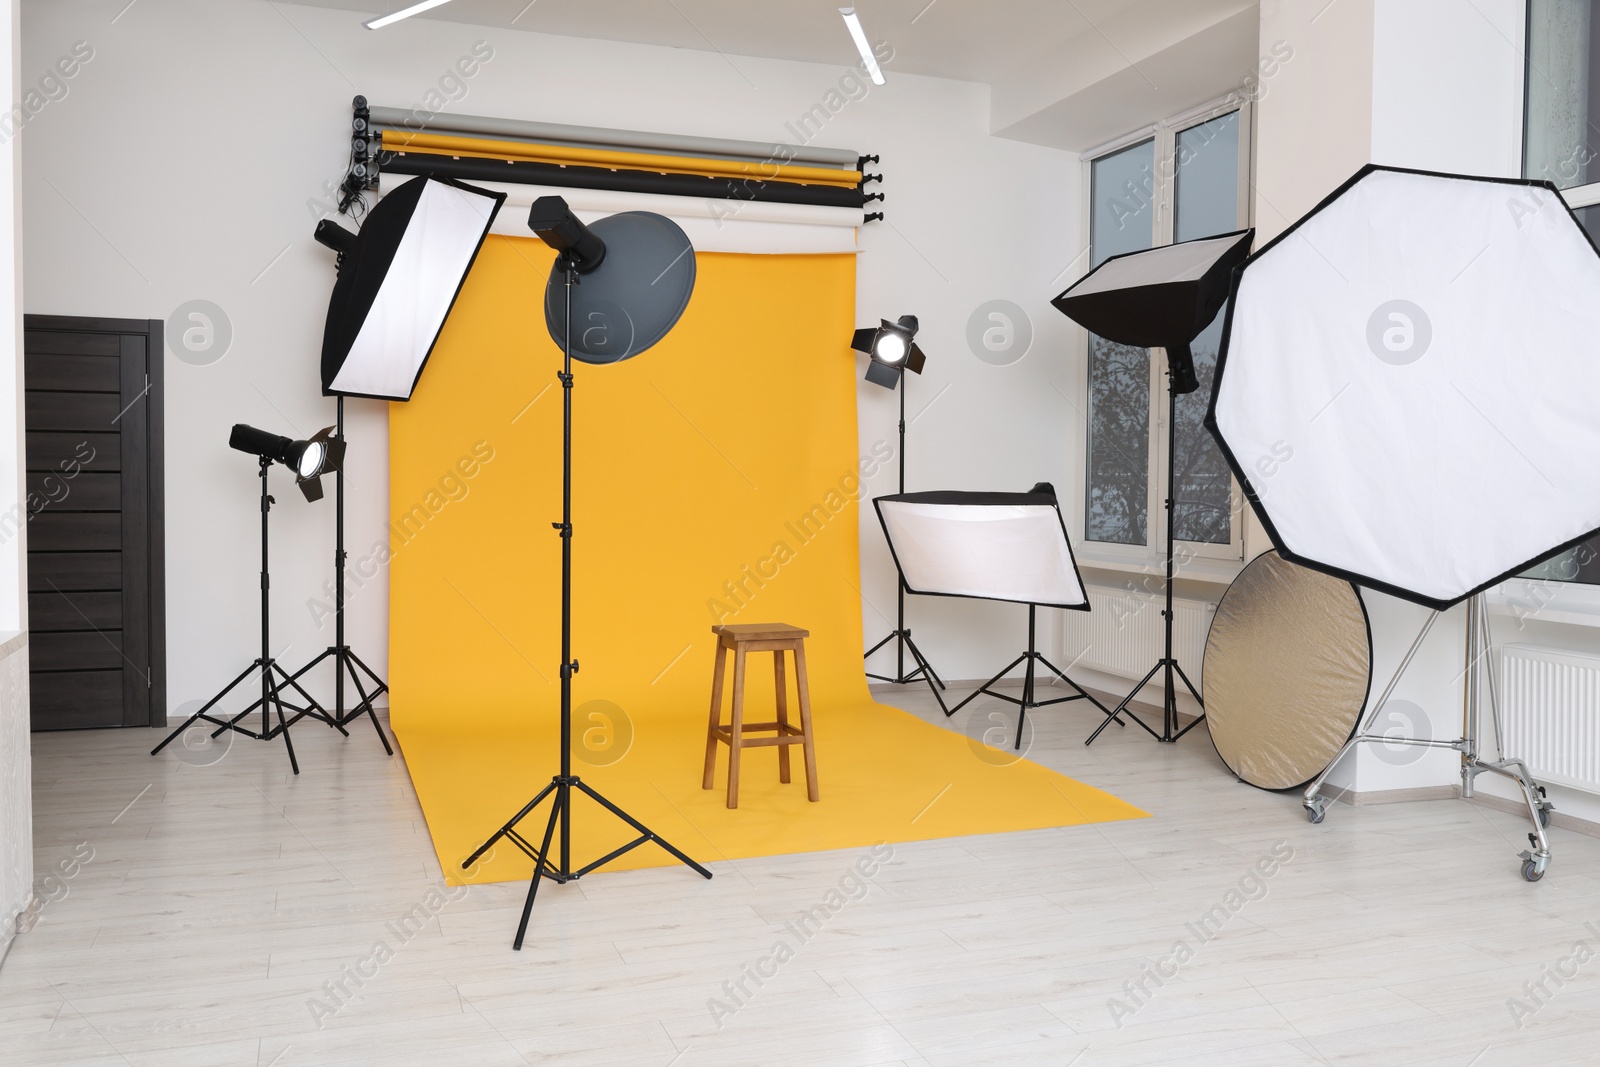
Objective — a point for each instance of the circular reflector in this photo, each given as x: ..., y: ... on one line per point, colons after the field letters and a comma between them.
x: 1288, y: 664
x: 633, y: 298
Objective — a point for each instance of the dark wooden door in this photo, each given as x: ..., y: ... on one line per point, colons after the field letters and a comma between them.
x: 96, y: 619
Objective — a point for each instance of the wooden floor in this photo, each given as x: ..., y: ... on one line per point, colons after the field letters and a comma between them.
x: 213, y: 914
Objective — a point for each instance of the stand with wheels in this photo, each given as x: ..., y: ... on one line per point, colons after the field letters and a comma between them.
x: 901, y: 635
x: 1167, y: 665
x: 1030, y: 657
x: 368, y: 685
x: 274, y: 679
x: 1537, y: 857
x: 561, y: 786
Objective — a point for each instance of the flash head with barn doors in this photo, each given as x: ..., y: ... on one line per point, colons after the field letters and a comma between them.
x: 309, y: 460
x: 398, y: 279
x: 891, y: 349
x: 1426, y: 348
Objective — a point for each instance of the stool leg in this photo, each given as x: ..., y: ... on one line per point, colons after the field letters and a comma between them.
x: 736, y: 727
x: 781, y: 688
x: 805, y: 720
x: 716, y: 716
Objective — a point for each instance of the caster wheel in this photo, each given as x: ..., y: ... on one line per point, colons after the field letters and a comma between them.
x: 1315, y: 813
x: 1531, y: 871
x: 1544, y: 816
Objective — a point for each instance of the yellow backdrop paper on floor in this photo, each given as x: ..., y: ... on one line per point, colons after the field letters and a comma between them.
x: 716, y: 478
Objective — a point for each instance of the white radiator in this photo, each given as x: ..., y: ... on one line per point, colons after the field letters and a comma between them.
x: 1122, y: 633
x: 1550, y: 707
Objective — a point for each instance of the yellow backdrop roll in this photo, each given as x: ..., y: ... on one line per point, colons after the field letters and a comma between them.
x: 716, y: 478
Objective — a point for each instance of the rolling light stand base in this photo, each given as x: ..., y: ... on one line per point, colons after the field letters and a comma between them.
x: 351, y: 664
x: 560, y: 812
x: 1031, y: 657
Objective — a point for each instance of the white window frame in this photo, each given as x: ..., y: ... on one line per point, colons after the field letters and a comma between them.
x: 1193, y: 557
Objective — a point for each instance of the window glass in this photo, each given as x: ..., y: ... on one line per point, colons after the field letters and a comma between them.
x: 1205, y: 203
x: 1122, y: 219
x: 1560, y: 135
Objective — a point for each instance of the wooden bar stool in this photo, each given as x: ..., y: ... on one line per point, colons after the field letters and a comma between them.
x: 776, y: 638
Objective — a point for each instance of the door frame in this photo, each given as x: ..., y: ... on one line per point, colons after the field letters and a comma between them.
x: 155, y: 483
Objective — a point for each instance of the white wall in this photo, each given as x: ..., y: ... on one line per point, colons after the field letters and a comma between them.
x: 180, y: 164
x: 16, y: 788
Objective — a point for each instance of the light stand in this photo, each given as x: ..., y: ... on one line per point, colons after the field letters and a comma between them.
x: 345, y: 660
x: 271, y: 700
x: 1168, y: 663
x: 562, y: 785
x: 901, y: 635
x: 1031, y: 657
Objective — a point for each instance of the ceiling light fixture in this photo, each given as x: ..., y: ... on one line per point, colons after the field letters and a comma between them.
x: 857, y: 34
x: 403, y: 13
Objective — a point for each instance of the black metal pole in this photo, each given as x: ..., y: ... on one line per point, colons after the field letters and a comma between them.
x: 1169, y: 712
x: 900, y: 580
x: 338, y: 573
x: 266, y: 581
x: 567, y: 664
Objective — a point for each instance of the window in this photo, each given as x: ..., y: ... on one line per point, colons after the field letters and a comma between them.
x: 1182, y: 181
x: 1561, y: 143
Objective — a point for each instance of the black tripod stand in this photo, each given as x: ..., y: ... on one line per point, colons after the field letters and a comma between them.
x: 1030, y: 657
x: 562, y: 785
x: 900, y: 635
x: 344, y: 660
x: 272, y: 699
x: 1168, y: 663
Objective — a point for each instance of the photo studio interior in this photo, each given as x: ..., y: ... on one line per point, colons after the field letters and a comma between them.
x: 699, y: 532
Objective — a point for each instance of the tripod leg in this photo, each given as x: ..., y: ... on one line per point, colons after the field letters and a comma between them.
x: 1123, y: 707
x: 1190, y: 685
x: 641, y: 827
x: 538, y: 865
x: 933, y: 680
x: 366, y: 702
x: 202, y: 712
x: 879, y: 645
x: 283, y: 727
x: 984, y: 688
x: 1080, y: 690
x: 510, y: 824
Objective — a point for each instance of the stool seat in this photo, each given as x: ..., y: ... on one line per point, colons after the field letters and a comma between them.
x: 741, y: 639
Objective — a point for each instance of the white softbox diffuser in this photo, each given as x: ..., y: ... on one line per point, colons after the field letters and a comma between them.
x: 397, y: 284
x: 1407, y: 383
x: 991, y: 546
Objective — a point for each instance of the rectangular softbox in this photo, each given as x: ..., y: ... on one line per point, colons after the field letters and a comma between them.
x: 397, y: 283
x: 989, y: 546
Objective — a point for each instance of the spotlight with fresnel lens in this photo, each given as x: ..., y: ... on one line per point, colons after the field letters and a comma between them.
x: 891, y: 350
x: 309, y: 460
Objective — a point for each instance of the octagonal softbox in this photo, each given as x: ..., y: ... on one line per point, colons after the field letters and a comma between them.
x: 1407, y: 378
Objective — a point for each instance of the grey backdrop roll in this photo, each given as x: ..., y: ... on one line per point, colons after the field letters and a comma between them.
x: 598, y: 137
x: 1288, y: 665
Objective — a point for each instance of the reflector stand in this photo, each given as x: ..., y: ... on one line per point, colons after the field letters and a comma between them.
x: 1479, y: 646
x: 643, y: 249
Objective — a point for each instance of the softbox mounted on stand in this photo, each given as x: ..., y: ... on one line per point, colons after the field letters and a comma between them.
x: 990, y: 546
x: 1428, y: 347
x: 1163, y: 297
x: 398, y: 279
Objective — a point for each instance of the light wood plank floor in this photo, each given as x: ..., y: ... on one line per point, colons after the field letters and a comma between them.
x: 225, y: 905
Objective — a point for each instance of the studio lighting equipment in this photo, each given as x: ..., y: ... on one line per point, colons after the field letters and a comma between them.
x: 638, y: 271
x: 891, y: 350
x: 397, y: 281
x: 990, y: 546
x: 1162, y: 297
x: 1427, y: 345
x: 308, y: 460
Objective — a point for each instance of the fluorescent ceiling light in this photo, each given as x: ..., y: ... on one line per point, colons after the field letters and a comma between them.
x: 859, y: 35
x: 403, y: 13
